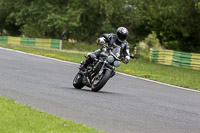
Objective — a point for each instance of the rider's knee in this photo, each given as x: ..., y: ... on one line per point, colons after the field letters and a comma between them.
x: 91, y: 56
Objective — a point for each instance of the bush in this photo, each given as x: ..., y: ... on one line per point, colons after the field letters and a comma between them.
x: 152, y: 41
x: 142, y: 50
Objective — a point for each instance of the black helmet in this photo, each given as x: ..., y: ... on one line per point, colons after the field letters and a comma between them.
x: 122, y: 33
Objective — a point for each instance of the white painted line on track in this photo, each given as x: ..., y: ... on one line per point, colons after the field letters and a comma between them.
x: 21, y: 52
x: 158, y: 82
x: 117, y: 72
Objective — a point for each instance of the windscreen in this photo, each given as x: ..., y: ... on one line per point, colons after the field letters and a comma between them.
x: 116, y: 51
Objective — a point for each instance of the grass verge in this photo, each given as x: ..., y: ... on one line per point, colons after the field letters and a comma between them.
x: 142, y: 68
x: 79, y: 46
x: 18, y: 118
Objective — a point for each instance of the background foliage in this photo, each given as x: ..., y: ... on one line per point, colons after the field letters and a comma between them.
x: 175, y: 22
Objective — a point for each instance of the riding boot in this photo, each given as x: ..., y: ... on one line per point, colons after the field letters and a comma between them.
x: 84, y: 64
x: 87, y: 62
x: 89, y: 59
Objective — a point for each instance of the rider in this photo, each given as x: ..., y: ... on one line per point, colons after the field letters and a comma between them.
x: 118, y: 39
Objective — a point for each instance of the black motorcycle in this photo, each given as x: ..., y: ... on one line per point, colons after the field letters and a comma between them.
x: 101, y: 70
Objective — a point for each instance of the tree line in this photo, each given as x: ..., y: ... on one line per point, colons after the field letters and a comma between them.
x: 175, y: 22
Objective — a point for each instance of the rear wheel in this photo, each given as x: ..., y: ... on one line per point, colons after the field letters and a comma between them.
x: 99, y: 82
x: 77, y: 82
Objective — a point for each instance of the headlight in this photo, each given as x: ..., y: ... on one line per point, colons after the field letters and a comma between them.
x: 116, y: 63
x: 110, y: 59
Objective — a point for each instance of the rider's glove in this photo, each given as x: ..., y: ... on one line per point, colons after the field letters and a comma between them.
x: 126, y: 59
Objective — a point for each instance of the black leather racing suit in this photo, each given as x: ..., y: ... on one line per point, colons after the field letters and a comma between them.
x: 111, y: 40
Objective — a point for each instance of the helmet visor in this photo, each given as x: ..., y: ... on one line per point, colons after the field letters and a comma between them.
x: 121, y: 37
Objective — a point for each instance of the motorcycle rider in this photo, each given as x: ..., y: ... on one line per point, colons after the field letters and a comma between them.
x: 113, y: 40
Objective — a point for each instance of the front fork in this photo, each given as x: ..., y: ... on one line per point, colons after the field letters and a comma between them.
x: 105, y: 66
x: 108, y: 67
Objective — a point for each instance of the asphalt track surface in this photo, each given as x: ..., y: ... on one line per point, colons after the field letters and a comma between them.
x: 125, y: 105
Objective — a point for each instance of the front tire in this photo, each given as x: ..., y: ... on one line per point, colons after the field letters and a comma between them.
x: 77, y: 82
x: 97, y: 85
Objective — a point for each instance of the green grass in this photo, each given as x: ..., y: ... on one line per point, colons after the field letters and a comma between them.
x: 172, y: 75
x: 18, y: 118
x: 142, y: 68
x: 79, y: 46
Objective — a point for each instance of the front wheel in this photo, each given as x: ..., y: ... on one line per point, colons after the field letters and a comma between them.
x: 101, y: 81
x: 77, y: 82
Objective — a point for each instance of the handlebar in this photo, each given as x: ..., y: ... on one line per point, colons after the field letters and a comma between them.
x: 106, y: 46
x: 109, y: 48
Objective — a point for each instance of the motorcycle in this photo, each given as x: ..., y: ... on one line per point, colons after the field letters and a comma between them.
x: 96, y: 74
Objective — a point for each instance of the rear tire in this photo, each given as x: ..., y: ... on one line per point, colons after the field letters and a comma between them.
x: 77, y: 82
x: 102, y: 81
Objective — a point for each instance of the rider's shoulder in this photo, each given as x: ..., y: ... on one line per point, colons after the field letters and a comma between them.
x: 109, y: 35
x: 125, y: 42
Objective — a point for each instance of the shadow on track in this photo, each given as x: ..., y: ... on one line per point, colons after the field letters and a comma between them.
x: 89, y: 91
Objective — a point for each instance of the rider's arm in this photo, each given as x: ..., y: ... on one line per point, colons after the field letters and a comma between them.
x: 126, y: 54
x: 104, y: 39
x: 101, y: 40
